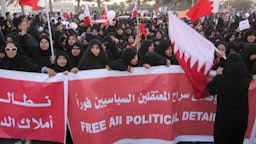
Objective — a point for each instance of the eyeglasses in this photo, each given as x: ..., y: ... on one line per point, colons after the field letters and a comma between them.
x: 12, y: 49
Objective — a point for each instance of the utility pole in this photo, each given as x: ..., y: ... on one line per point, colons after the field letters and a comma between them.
x: 193, y: 2
x: 50, y: 6
x: 138, y: 6
x: 3, y: 7
x: 228, y: 6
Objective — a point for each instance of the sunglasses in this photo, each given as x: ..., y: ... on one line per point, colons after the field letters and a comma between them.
x: 12, y: 49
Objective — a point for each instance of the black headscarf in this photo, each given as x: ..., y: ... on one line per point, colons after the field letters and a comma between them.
x: 75, y: 59
x: 235, y: 66
x: 127, y: 55
x: 67, y: 46
x: 143, y: 50
x: 90, y: 61
x: 44, y: 52
x: 19, y: 63
x: 67, y: 67
x: 163, y: 46
x: 248, y: 50
x: 18, y: 55
x: 42, y: 57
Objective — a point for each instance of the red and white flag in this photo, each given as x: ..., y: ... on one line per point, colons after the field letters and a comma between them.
x: 35, y: 4
x: 86, y: 15
x: 203, y: 8
x: 105, y: 12
x: 194, y: 53
x: 159, y: 9
x: 134, y: 11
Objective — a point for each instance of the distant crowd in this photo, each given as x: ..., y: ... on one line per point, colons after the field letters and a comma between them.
x: 121, y: 44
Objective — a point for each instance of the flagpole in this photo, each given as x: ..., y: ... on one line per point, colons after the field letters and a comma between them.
x: 50, y: 31
x: 138, y: 29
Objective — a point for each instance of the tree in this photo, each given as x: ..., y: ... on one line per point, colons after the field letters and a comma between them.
x: 240, y: 4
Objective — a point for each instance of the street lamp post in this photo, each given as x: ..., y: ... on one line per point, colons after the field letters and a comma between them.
x: 228, y: 5
x: 3, y: 7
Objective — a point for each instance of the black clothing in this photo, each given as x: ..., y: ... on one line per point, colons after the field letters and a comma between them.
x: 90, y: 61
x: 249, y: 50
x: 155, y: 59
x: 75, y: 59
x: 28, y: 43
x: 67, y: 67
x: 113, y: 50
x: 232, y: 111
x: 57, y: 39
x: 43, y: 57
x: 163, y: 46
x: 19, y: 63
x: 123, y: 63
x: 151, y: 58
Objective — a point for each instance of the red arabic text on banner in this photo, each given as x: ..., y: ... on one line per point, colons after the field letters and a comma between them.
x: 35, y: 4
x: 203, y: 8
x: 194, y: 52
x: 32, y: 109
x: 158, y: 111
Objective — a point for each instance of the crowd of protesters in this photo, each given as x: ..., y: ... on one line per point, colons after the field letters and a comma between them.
x: 121, y: 44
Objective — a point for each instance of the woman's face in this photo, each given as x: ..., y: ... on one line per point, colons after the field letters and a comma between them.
x: 151, y: 48
x: 44, y: 44
x: 253, y: 57
x: 71, y: 40
x: 232, y: 38
x: 85, y: 42
x: 95, y: 50
x: 11, y: 50
x: 251, y: 38
x: 153, y: 27
x: 75, y: 51
x: 168, y: 52
x: 88, y: 29
x: 222, y: 49
x: 62, y: 61
x: 158, y: 35
x: 101, y: 32
x: 131, y: 39
x: 120, y: 31
x: 135, y: 59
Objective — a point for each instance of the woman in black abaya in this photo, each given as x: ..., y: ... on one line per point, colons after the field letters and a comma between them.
x: 231, y: 88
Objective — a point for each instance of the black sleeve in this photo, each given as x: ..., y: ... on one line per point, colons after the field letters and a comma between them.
x: 117, y: 65
x: 155, y: 59
x: 28, y: 44
x: 212, y: 86
x: 31, y: 66
x: 83, y: 62
x: 254, y: 69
